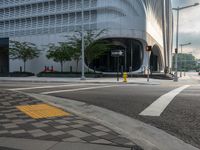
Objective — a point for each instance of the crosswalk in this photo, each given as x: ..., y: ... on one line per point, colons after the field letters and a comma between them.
x: 156, y: 108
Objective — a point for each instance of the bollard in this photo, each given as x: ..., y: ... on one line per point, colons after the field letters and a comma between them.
x: 125, y: 75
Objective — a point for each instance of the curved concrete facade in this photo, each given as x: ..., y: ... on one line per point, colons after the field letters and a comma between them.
x: 148, y: 22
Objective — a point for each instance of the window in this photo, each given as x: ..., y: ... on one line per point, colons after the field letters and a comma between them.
x: 34, y: 23
x: 46, y: 7
x: 58, y: 20
x: 46, y: 21
x: 86, y: 3
x: 87, y: 16
x: 72, y: 4
x: 1, y: 26
x: 52, y: 6
x: 65, y: 5
x: 78, y: 18
x: 65, y: 19
x: 1, y: 13
x: 40, y: 22
x: 40, y: 8
x: 22, y: 11
x: 58, y: 5
x: 93, y: 16
x: 78, y: 4
x: 71, y: 18
x: 52, y: 21
x: 93, y: 3
x: 11, y: 12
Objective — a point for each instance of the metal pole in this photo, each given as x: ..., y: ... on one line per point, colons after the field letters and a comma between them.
x: 118, y: 68
x: 181, y: 61
x: 148, y: 66
x: 125, y: 59
x: 185, y: 66
x: 82, y: 45
x: 131, y: 58
x: 176, y: 54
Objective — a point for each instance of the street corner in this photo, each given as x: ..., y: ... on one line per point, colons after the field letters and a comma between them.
x: 24, y: 117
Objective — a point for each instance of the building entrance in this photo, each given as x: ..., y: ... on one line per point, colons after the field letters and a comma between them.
x: 156, y: 60
x: 130, y: 61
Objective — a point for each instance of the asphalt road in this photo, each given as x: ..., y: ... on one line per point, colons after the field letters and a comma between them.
x: 181, y: 117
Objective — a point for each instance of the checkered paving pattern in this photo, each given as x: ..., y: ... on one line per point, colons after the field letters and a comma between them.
x: 14, y: 123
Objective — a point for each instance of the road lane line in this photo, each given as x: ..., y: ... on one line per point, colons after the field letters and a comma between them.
x: 158, y: 106
x: 78, y: 89
x: 48, y: 87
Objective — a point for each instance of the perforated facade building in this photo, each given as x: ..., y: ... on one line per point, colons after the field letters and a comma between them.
x: 130, y: 25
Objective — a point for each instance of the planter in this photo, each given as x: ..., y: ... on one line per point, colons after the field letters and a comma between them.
x: 17, y: 74
x: 68, y: 74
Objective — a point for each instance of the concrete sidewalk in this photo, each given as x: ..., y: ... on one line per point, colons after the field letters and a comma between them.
x: 20, y: 131
x: 29, y: 144
x: 77, y: 80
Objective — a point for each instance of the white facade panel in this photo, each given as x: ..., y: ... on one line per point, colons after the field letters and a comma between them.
x: 48, y: 21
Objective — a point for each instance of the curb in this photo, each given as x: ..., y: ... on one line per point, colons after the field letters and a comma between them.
x: 87, y: 81
x: 148, y: 137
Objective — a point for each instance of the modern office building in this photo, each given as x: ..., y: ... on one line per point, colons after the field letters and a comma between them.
x: 130, y: 25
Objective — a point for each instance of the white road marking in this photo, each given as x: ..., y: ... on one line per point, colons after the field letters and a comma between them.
x: 78, y: 89
x: 48, y: 87
x: 157, y: 107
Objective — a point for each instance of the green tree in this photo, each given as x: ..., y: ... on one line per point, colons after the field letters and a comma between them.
x: 60, y: 53
x: 75, y: 43
x: 23, y: 51
x: 185, y: 62
x: 94, y: 47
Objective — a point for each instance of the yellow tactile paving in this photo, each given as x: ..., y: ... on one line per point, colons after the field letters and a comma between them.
x: 39, y: 111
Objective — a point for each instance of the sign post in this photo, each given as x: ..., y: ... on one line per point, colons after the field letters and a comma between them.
x: 117, y: 54
x: 148, y: 49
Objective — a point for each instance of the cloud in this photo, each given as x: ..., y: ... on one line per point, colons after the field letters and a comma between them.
x: 189, y: 27
x: 194, y: 38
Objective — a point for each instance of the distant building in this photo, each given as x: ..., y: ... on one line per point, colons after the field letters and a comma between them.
x: 131, y: 25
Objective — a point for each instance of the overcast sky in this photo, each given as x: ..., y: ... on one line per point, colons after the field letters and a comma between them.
x: 189, y: 26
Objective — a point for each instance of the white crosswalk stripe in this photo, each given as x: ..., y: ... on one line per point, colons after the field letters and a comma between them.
x: 78, y: 89
x: 158, y: 106
x: 48, y: 87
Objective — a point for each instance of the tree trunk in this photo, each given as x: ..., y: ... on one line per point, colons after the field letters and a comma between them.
x: 61, y: 66
x: 24, y: 66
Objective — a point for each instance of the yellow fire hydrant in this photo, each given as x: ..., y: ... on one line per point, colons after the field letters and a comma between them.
x: 125, y: 76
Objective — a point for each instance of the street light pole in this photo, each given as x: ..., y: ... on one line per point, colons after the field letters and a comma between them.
x: 176, y: 54
x: 82, y: 45
x: 181, y: 66
x: 177, y: 36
